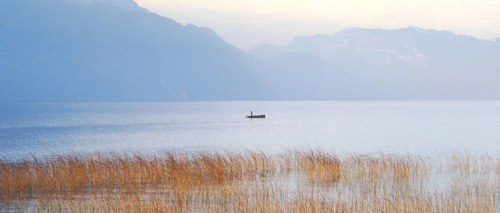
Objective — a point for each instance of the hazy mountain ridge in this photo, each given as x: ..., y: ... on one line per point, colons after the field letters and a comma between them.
x: 100, y: 50
x: 55, y: 50
x: 122, y: 4
x: 418, y: 63
x: 302, y: 76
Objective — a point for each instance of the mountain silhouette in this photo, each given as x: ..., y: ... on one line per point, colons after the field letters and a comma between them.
x: 114, y: 50
x: 82, y: 50
x: 413, y: 63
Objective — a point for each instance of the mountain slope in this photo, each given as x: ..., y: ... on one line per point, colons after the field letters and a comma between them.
x: 415, y: 63
x: 80, y: 50
x: 113, y: 50
x: 301, y: 76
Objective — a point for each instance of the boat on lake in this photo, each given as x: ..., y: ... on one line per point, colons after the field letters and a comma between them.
x: 255, y: 116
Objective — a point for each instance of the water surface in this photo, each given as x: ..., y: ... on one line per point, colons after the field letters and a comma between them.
x: 360, y: 127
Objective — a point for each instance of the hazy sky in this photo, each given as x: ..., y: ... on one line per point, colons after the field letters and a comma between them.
x: 249, y: 23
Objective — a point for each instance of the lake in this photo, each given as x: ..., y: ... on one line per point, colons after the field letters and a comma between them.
x: 419, y: 127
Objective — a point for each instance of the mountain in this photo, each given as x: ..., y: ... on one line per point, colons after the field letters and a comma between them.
x: 114, y: 50
x: 122, y: 4
x: 408, y: 63
x: 302, y: 76
x: 102, y: 50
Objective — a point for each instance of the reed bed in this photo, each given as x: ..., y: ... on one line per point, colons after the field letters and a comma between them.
x: 292, y: 181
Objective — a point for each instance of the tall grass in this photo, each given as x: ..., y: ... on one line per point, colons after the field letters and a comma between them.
x: 295, y: 181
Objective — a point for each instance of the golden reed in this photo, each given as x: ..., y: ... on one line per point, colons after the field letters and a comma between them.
x: 292, y: 181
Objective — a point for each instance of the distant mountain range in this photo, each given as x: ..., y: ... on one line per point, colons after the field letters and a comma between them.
x: 113, y: 50
x: 409, y: 63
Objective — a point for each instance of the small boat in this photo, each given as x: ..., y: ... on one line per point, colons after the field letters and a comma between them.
x: 254, y: 116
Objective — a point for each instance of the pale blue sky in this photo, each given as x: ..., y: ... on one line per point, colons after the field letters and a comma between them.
x: 249, y: 23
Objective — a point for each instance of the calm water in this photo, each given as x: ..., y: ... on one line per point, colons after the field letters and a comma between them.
x: 360, y: 127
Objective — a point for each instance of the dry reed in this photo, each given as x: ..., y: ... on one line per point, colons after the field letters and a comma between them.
x: 294, y: 181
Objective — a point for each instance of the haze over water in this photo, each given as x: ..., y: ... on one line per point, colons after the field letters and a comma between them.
x: 420, y: 127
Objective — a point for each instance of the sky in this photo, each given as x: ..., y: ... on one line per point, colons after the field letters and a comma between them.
x: 250, y: 23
